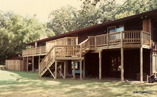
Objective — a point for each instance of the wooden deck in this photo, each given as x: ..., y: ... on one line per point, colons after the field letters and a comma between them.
x: 125, y: 39
x: 34, y: 51
x: 64, y: 49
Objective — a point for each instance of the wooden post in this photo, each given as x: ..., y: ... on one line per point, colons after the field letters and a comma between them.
x: 141, y: 64
x: 81, y: 69
x: 95, y: 42
x: 122, y: 39
x: 84, y: 72
x: 55, y: 69
x: 73, y: 70
x: 61, y: 69
x: 32, y: 63
x: 65, y: 69
x: 27, y: 64
x: 122, y: 64
x: 39, y: 64
x: 100, y: 65
x: 107, y: 39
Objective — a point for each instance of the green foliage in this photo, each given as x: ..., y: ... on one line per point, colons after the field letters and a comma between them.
x: 94, y: 12
x: 61, y: 20
x: 15, y: 31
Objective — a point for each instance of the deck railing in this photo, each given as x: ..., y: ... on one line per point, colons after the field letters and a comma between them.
x: 34, y: 51
x: 61, y: 41
x: 69, y: 47
x: 59, y: 51
x: 120, y: 38
x: 155, y: 48
x: 67, y: 51
x: 50, y: 57
x: 44, y: 49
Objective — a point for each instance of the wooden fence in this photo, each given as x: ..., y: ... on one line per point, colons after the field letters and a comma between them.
x: 16, y: 65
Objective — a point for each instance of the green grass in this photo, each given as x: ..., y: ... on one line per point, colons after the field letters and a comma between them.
x: 28, y: 84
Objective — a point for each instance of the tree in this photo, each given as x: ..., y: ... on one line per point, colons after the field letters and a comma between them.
x: 15, y: 31
x: 132, y: 7
x: 61, y: 20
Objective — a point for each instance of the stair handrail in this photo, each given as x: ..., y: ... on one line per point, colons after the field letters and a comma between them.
x: 83, y: 45
x: 41, y: 63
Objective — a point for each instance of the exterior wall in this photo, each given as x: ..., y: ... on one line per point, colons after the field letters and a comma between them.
x: 131, y: 63
x: 154, y: 31
x: 133, y: 25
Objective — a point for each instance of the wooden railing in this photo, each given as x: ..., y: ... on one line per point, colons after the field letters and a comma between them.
x: 59, y: 51
x: 69, y: 45
x: 44, y: 49
x: 84, y: 45
x: 62, y: 41
x: 120, y: 38
x: 155, y: 48
x: 146, y: 38
x: 50, y: 57
x: 34, y: 51
x: 68, y: 51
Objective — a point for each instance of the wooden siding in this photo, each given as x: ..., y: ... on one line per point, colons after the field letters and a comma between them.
x: 16, y: 65
x: 147, y: 25
x: 133, y: 25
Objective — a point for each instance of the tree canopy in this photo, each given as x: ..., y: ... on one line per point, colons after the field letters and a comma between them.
x: 15, y: 31
x: 94, y: 12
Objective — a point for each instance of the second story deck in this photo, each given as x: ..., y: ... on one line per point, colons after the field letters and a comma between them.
x: 69, y: 46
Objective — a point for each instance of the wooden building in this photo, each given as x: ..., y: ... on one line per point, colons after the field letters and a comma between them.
x: 125, y: 48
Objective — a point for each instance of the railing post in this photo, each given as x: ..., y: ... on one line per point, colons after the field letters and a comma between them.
x: 89, y: 42
x: 95, y: 42
x: 80, y: 50
x: 141, y: 38
x: 107, y: 40
x: 121, y: 39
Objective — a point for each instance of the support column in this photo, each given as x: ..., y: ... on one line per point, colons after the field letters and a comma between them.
x: 65, y: 69
x: 151, y: 64
x: 27, y: 64
x: 100, y: 65
x: 39, y: 64
x: 73, y: 70
x: 122, y: 64
x: 55, y: 69
x: 84, y: 72
x: 141, y: 64
x: 81, y: 69
x: 32, y: 63
x: 61, y: 69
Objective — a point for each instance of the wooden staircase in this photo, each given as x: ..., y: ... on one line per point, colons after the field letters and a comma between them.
x: 49, y: 65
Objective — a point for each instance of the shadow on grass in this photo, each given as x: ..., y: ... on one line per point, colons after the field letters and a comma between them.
x: 30, y: 81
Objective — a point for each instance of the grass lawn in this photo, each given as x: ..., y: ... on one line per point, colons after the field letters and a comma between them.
x: 28, y: 84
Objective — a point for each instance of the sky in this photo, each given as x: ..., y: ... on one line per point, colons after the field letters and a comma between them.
x: 41, y: 8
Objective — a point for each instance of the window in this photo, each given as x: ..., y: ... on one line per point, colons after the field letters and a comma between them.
x: 120, y: 29
x: 112, y: 29
x: 115, y: 29
x: 76, y: 65
x: 116, y: 63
